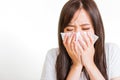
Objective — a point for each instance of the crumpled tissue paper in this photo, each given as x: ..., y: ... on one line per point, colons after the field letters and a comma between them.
x: 95, y: 37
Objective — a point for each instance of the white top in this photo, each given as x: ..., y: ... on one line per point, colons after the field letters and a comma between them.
x: 112, y: 58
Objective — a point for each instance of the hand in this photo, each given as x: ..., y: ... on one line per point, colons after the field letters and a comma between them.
x: 73, y: 49
x: 82, y: 53
x: 86, y: 46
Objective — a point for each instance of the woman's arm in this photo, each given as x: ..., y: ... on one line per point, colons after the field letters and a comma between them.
x: 88, y: 52
x: 93, y: 72
x: 75, y: 55
x: 75, y: 72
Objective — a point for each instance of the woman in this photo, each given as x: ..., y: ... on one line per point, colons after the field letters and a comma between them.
x: 81, y: 59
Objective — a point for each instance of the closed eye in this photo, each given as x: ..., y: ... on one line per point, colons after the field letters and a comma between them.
x: 69, y: 29
x: 85, y: 28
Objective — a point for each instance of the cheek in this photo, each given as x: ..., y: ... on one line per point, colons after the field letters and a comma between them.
x: 65, y: 30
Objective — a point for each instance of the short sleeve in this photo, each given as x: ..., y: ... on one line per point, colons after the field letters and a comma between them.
x: 48, y: 72
x: 114, y: 60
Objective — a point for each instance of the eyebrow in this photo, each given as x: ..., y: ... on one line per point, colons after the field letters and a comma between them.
x: 71, y: 25
x: 79, y: 25
x: 85, y: 24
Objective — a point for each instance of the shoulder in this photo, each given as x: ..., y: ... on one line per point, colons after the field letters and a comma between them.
x: 52, y: 53
x: 111, y: 47
x: 49, y: 72
x: 112, y: 51
x: 51, y: 56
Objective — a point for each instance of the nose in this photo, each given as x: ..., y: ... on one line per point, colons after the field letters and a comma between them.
x: 77, y: 28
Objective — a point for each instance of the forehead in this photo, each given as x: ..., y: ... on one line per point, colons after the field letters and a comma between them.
x: 81, y: 16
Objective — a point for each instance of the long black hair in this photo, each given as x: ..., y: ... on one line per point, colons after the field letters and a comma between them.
x: 63, y: 62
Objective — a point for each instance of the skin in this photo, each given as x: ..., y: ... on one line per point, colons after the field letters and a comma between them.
x: 81, y: 51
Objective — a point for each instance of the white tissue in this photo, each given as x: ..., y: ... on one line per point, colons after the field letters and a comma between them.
x: 95, y: 37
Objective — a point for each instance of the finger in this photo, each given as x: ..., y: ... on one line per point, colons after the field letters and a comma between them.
x: 66, y: 42
x: 72, y: 45
x: 65, y: 39
x: 79, y: 48
x: 73, y: 39
x: 70, y: 37
x: 82, y: 43
x: 71, y: 50
x: 76, y: 50
x: 86, y: 38
x: 75, y: 47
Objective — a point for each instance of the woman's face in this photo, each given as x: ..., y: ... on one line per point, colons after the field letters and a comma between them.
x: 80, y: 22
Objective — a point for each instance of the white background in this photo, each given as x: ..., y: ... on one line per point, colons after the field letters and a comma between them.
x: 28, y: 29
